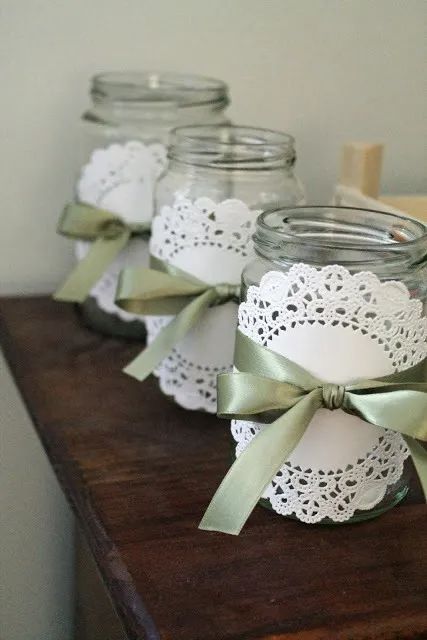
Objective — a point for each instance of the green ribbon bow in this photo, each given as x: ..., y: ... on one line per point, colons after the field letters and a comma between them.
x: 167, y: 290
x: 109, y: 233
x: 267, y: 382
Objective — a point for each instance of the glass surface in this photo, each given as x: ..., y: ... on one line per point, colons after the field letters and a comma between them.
x: 145, y: 106
x: 218, y: 180
x: 139, y: 107
x: 392, y: 247
x: 223, y: 162
x: 389, y: 245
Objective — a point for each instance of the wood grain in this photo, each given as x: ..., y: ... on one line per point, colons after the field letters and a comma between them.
x: 139, y: 472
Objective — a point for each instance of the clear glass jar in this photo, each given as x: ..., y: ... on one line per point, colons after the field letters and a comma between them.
x: 218, y: 180
x: 341, y: 292
x: 123, y: 153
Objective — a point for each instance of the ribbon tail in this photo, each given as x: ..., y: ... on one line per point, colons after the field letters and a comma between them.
x: 256, y: 466
x: 419, y: 458
x: 88, y: 271
x: 145, y: 363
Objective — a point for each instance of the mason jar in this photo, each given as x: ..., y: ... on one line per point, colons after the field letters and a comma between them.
x: 123, y: 153
x: 218, y: 181
x: 341, y: 292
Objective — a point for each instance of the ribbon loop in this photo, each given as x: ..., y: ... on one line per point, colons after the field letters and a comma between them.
x: 111, y: 229
x: 167, y: 290
x: 266, y: 382
x: 109, y: 234
x: 226, y: 292
x: 333, y: 396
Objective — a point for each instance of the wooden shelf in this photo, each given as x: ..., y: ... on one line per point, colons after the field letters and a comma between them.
x: 138, y: 472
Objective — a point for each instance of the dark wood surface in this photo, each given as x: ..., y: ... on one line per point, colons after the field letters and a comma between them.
x: 139, y: 472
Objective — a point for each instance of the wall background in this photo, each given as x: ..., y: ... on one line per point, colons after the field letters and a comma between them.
x: 327, y: 71
x: 36, y: 531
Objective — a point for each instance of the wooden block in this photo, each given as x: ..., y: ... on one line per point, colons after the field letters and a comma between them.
x: 361, y: 164
x: 412, y: 205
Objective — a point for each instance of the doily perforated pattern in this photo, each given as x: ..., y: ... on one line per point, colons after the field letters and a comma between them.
x: 121, y: 179
x: 332, y: 300
x: 213, y: 242
x: 383, y: 311
x: 123, y: 175
x: 227, y: 226
x: 191, y: 383
x: 333, y: 493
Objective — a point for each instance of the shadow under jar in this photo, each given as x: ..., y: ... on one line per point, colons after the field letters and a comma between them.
x: 218, y: 181
x: 123, y: 153
x: 341, y: 292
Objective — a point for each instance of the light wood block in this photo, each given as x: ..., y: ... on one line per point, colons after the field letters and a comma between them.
x: 415, y: 206
x: 361, y: 165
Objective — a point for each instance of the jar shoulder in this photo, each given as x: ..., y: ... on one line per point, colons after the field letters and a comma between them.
x: 258, y: 190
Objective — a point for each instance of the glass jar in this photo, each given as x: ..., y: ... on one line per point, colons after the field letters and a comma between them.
x: 218, y: 181
x: 341, y: 292
x: 125, y: 134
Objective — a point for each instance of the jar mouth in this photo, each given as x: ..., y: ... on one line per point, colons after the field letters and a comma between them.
x: 231, y: 147
x: 333, y: 227
x: 347, y: 235
x: 158, y: 87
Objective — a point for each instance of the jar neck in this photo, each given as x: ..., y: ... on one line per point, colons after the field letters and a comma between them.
x: 358, y: 239
x: 167, y: 97
x: 256, y: 173
x: 231, y: 148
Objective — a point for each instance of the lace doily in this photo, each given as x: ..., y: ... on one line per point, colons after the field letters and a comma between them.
x: 189, y: 372
x: 227, y: 226
x: 213, y: 242
x: 121, y: 178
x: 340, y: 327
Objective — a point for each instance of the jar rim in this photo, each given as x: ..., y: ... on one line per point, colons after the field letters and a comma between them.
x: 229, y: 146
x: 394, y: 234
x: 151, y: 86
x: 242, y: 134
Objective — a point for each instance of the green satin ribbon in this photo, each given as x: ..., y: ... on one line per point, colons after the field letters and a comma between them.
x: 267, y: 382
x: 167, y: 290
x: 109, y: 234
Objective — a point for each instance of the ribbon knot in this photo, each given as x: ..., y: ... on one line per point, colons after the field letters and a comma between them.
x: 111, y: 229
x: 226, y: 292
x: 333, y: 396
x: 166, y: 290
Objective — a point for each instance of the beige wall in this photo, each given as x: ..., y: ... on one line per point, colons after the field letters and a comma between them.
x: 325, y: 70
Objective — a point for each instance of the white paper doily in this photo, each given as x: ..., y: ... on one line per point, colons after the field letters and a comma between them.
x: 213, y: 242
x: 121, y: 178
x: 340, y: 327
